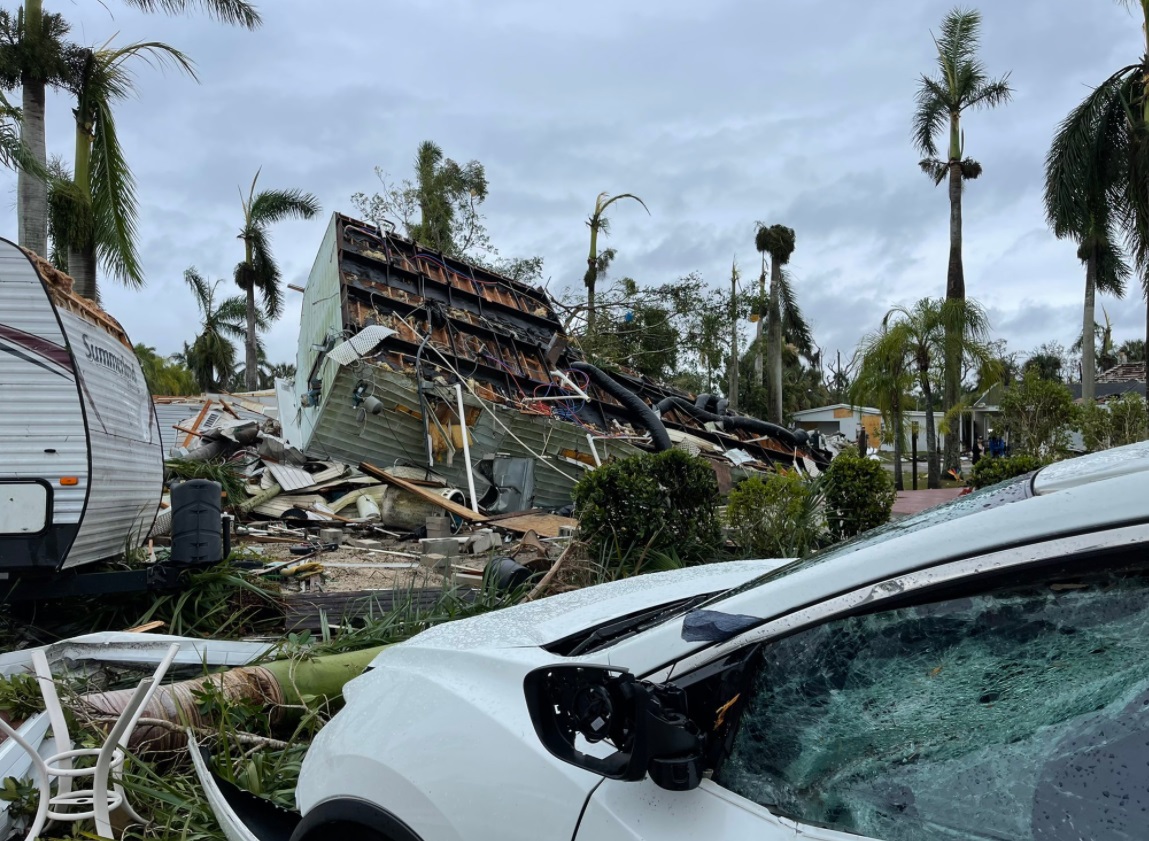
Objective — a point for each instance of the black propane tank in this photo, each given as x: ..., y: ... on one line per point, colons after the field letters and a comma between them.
x: 198, y: 536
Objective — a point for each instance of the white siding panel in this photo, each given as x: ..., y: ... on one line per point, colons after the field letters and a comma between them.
x: 41, y: 422
x: 322, y: 315
x: 126, y: 448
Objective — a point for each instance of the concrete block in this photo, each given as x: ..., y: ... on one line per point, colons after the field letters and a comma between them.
x: 360, y: 543
x: 330, y: 536
x: 447, y: 546
x: 435, y: 562
x: 481, y: 541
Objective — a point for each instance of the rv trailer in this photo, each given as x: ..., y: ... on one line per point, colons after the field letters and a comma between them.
x: 81, y: 465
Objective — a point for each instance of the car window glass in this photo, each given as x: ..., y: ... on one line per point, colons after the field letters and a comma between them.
x: 1022, y: 714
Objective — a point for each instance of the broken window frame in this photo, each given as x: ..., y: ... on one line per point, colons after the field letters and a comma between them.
x: 734, y: 665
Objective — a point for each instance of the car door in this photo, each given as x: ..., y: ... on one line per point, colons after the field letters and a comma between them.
x: 1001, y: 697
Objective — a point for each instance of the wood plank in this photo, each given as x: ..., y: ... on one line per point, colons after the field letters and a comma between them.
x: 424, y: 494
x: 544, y: 525
x: 195, y: 426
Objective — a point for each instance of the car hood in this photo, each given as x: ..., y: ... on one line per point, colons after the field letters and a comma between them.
x: 553, y: 618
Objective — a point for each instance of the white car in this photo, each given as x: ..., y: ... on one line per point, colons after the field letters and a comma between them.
x: 979, y: 671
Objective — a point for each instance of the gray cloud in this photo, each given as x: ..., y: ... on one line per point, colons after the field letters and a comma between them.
x: 718, y: 114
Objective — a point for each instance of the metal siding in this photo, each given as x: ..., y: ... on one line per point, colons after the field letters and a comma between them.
x: 126, y: 448
x: 41, y: 409
x: 321, y: 316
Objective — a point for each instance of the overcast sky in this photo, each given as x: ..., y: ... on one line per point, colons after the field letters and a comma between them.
x: 717, y: 113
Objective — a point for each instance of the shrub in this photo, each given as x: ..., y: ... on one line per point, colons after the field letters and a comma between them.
x: 656, y: 502
x: 859, y: 493
x: 776, y: 516
x: 1123, y: 420
x: 990, y: 470
x: 1038, y: 415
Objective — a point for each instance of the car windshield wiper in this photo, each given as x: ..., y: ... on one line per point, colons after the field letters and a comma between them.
x: 608, y: 633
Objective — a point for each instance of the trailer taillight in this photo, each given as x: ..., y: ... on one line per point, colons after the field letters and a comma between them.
x: 69, y: 481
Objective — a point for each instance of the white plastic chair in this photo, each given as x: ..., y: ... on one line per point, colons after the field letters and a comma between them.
x: 101, y: 801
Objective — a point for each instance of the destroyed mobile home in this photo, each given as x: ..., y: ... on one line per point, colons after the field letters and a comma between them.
x: 409, y: 357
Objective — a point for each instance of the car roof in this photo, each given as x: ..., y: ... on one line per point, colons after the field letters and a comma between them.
x: 1099, y: 491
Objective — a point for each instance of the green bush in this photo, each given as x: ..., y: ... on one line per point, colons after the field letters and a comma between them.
x: 655, y: 502
x: 1123, y: 420
x: 776, y: 516
x: 1038, y: 415
x: 989, y: 470
x: 859, y: 493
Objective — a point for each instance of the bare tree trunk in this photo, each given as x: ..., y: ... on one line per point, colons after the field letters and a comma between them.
x: 955, y: 290
x: 758, y: 366
x: 1088, y: 348
x: 734, y: 340
x: 82, y: 267
x: 899, y: 446
x: 251, y: 373
x: 933, y: 471
x: 775, y: 338
x: 32, y: 192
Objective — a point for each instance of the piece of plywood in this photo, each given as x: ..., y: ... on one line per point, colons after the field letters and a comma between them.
x: 544, y: 525
x: 423, y: 493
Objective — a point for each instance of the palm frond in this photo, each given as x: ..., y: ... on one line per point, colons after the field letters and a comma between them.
x: 114, y: 202
x: 271, y: 206
x: 1082, y: 164
x: 265, y: 272
x: 794, y: 325
x: 1112, y: 269
x: 615, y: 198
x: 228, y: 11
x: 935, y: 169
x: 232, y: 313
x: 930, y: 115
x: 990, y: 94
x: 959, y: 40
x: 201, y: 290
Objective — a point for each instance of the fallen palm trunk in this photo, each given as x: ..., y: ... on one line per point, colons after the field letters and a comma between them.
x: 282, y: 687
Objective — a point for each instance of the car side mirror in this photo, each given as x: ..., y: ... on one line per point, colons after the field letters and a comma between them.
x: 645, y: 723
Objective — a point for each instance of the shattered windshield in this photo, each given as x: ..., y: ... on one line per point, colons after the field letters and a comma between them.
x: 1022, y: 715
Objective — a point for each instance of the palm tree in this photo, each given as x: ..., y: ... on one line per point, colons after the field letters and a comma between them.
x: 164, y: 375
x: 33, y: 55
x: 95, y: 213
x: 1097, y: 181
x: 596, y: 264
x: 920, y: 333
x: 259, y: 269
x: 884, y: 380
x: 211, y: 356
x: 43, y: 63
x: 782, y: 312
x: 962, y: 83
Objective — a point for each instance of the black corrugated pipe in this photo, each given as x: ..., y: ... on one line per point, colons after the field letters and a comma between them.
x: 640, y: 412
x: 702, y: 402
x: 723, y: 404
x: 760, y: 427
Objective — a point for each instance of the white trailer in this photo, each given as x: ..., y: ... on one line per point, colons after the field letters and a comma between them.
x: 81, y: 462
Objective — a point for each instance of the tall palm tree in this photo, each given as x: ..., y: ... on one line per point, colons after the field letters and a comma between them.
x: 42, y: 66
x: 595, y: 263
x: 884, y: 380
x: 783, y: 315
x: 962, y: 83
x: 212, y: 356
x: 919, y: 333
x: 1097, y: 182
x: 95, y: 213
x: 259, y: 270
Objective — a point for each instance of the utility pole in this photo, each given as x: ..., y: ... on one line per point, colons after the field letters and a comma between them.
x: 734, y: 335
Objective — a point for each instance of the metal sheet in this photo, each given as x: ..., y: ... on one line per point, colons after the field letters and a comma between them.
x: 290, y: 478
x: 41, y: 420
x: 359, y: 345
x: 126, y: 449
